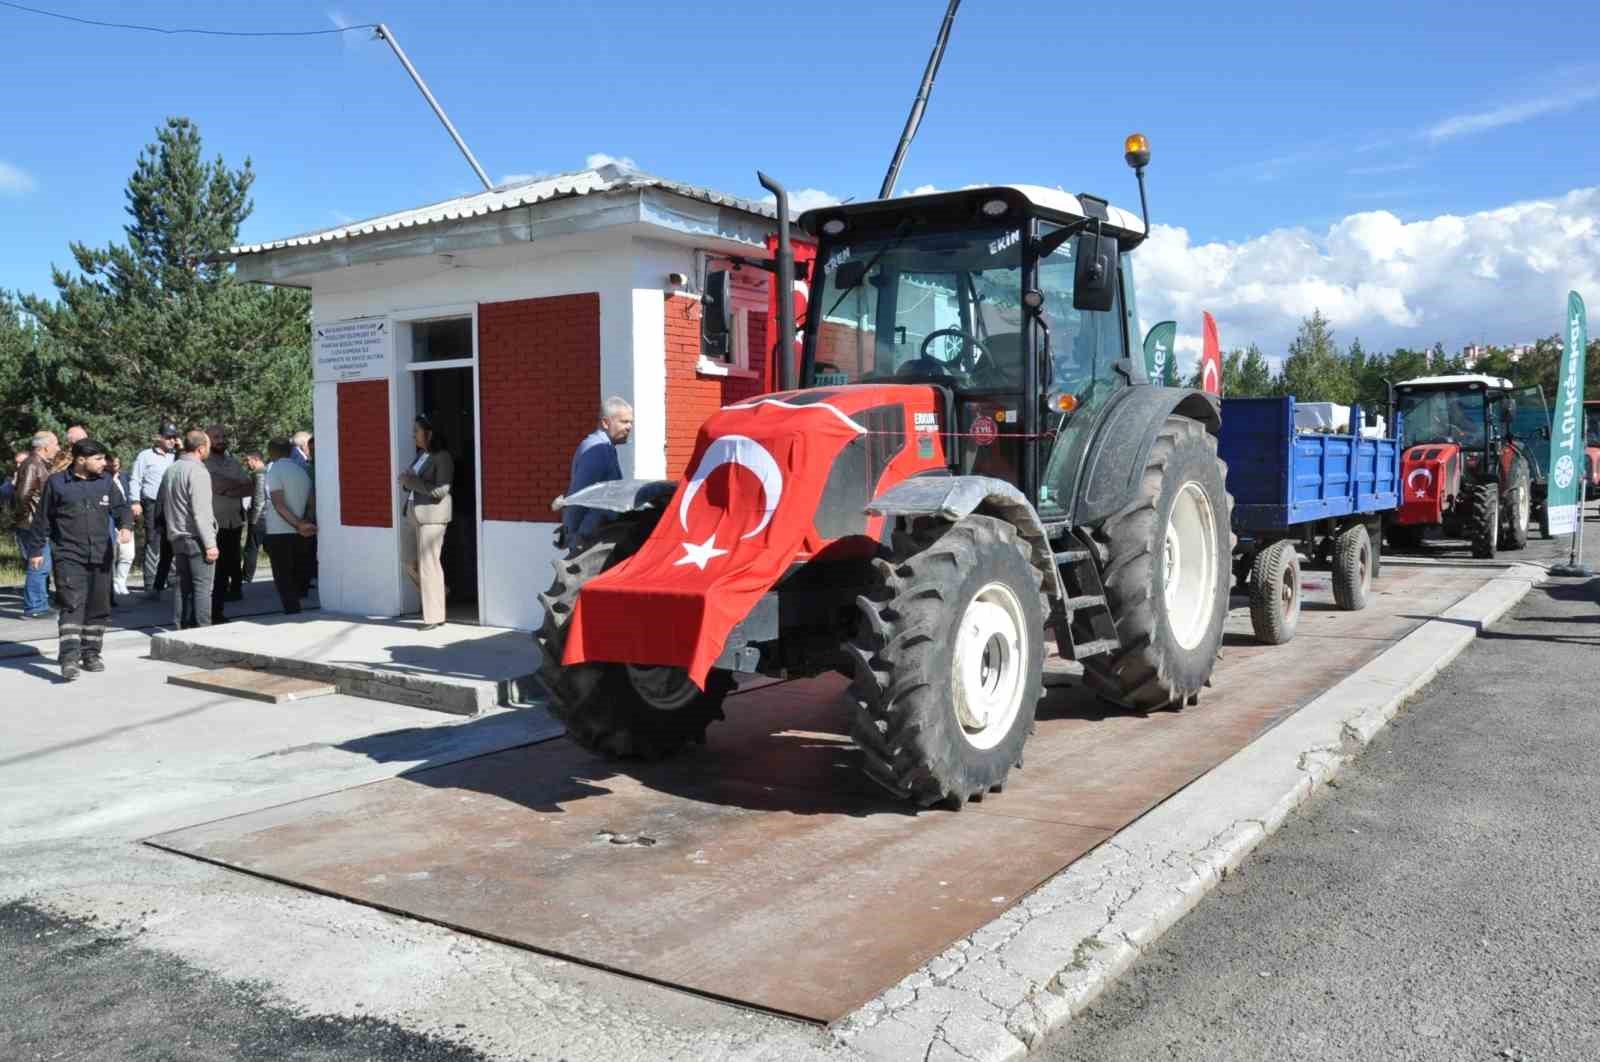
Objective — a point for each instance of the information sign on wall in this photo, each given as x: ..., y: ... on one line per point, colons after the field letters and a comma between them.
x: 351, y: 350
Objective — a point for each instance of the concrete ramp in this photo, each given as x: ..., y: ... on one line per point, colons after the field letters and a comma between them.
x: 460, y: 668
x: 764, y: 868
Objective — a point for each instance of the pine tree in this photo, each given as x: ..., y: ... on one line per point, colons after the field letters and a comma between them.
x: 159, y: 328
x: 1314, y: 371
x: 1255, y: 375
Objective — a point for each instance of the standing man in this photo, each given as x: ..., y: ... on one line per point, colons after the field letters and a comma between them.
x: 596, y: 462
x: 255, y: 535
x: 288, y: 531
x: 185, y: 504
x: 230, y: 486
x: 72, y: 518
x: 32, y: 476
x: 148, y: 468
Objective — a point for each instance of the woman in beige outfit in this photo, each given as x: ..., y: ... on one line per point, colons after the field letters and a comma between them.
x: 426, y: 482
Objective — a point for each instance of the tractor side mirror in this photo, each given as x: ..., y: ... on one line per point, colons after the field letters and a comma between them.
x: 716, y: 313
x: 1094, y: 280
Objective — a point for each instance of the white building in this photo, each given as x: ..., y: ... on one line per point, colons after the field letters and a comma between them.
x: 508, y: 316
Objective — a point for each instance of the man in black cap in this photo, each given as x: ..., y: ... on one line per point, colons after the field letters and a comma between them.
x: 72, y: 518
x: 148, y: 468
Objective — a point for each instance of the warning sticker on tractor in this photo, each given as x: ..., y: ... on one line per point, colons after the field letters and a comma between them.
x: 984, y: 430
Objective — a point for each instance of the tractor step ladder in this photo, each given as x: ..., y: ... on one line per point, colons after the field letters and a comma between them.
x: 1083, y: 622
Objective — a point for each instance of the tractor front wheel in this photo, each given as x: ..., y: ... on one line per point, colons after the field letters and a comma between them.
x: 948, y: 661
x: 619, y: 709
x: 1483, y: 524
x: 1167, y: 574
x: 1519, y: 503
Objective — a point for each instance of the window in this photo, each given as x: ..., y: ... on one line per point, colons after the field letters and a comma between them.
x: 449, y: 339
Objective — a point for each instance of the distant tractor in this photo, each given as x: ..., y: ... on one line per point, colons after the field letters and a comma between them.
x: 1466, y: 467
x: 968, y: 455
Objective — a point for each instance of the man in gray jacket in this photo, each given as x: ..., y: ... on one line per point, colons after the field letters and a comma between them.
x: 185, y: 504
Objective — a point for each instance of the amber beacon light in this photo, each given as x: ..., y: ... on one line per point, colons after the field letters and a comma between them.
x: 1136, y: 149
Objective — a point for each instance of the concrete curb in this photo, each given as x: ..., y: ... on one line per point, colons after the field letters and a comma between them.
x: 994, y: 995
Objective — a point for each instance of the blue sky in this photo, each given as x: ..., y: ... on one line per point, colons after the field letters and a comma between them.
x: 1272, y: 126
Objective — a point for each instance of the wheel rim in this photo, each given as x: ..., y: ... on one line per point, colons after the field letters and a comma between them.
x: 989, y: 666
x: 1364, y: 564
x: 1524, y: 508
x: 1287, y: 590
x: 1190, y: 562
x: 663, y: 688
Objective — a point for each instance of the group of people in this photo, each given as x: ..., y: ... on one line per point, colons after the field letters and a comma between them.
x: 205, y: 516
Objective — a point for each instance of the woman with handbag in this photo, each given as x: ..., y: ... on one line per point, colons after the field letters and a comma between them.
x: 427, y: 509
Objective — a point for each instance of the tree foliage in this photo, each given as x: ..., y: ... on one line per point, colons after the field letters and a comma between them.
x: 158, y: 327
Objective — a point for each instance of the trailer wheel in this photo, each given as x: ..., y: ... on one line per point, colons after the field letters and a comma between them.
x: 1275, y: 593
x: 1405, y: 536
x: 619, y: 709
x: 948, y: 661
x: 1520, y: 503
x: 1483, y: 524
x: 1167, y: 574
x: 1354, y: 564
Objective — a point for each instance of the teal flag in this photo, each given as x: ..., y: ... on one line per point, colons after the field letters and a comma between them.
x: 1160, y: 365
x: 1566, y: 428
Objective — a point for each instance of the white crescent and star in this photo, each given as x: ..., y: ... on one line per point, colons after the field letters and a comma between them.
x: 1411, y: 479
x: 1211, y: 380
x: 738, y: 450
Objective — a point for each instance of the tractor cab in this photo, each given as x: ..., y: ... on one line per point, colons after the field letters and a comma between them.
x: 1015, y: 302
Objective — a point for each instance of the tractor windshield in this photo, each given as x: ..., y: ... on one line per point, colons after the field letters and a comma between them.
x: 922, y: 306
x: 1437, y: 416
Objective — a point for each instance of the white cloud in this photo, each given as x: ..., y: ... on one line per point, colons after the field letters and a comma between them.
x: 600, y: 158
x: 804, y: 199
x: 1511, y: 113
x: 14, y: 180
x: 1499, y: 275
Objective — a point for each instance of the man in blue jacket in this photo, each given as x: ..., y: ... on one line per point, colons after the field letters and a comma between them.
x: 596, y: 462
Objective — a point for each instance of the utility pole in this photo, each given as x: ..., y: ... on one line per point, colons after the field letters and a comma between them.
x: 385, y: 34
x: 920, y: 103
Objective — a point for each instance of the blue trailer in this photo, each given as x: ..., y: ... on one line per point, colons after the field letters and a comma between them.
x: 1308, y: 492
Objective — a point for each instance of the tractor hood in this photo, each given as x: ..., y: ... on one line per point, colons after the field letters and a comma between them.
x: 1430, y: 479
x: 772, y: 480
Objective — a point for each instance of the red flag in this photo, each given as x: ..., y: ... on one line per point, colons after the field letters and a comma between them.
x: 729, y: 534
x: 1210, y: 355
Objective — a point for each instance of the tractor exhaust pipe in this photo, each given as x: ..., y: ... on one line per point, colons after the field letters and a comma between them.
x: 788, y: 379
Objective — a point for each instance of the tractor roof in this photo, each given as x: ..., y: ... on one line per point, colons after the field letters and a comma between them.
x: 1465, y: 379
x: 1051, y: 203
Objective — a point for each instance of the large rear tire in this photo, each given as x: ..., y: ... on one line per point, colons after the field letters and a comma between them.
x: 1519, y: 503
x: 1167, y: 574
x: 1275, y: 593
x: 1483, y: 523
x: 619, y: 709
x: 948, y: 661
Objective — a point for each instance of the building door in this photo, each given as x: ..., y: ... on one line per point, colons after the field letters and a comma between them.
x: 445, y: 395
x: 442, y: 363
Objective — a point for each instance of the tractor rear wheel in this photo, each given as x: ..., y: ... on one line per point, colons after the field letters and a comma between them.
x: 1167, y: 574
x: 1275, y: 593
x: 1353, y: 567
x: 1519, y: 507
x: 619, y: 709
x: 1483, y: 523
x: 948, y: 661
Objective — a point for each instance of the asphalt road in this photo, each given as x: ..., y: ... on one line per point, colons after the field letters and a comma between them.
x: 1440, y: 903
x: 79, y: 990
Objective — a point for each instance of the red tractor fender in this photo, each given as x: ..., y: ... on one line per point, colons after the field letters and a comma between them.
x: 952, y: 497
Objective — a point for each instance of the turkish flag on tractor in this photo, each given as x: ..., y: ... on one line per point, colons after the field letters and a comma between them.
x: 1210, y: 355
x: 727, y: 537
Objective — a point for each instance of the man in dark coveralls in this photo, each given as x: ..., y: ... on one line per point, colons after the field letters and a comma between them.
x: 72, y: 518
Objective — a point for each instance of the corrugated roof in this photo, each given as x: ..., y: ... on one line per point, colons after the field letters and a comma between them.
x: 607, y: 178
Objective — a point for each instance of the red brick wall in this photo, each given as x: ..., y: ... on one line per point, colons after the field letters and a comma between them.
x: 539, y: 388
x: 365, y: 475
x: 692, y: 397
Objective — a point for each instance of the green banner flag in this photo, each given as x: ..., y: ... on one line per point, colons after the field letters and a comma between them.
x: 1160, y: 365
x: 1566, y: 429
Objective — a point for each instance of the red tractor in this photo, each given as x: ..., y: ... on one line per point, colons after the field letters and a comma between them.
x: 968, y: 455
x: 1466, y: 467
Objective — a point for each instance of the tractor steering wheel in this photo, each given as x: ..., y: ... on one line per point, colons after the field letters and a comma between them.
x: 966, y: 359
